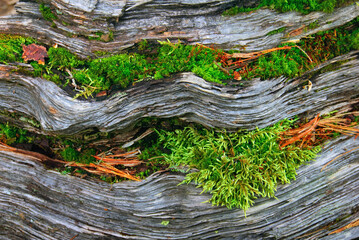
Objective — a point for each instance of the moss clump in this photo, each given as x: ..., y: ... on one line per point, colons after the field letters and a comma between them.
x: 302, y: 6
x: 235, y: 168
x: 123, y: 70
x: 72, y: 155
x: 11, y: 47
x: 119, y: 70
x: 319, y: 48
x: 61, y: 58
x: 47, y: 13
x: 10, y: 134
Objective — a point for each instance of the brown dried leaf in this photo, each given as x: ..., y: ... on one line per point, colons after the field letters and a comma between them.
x: 237, y: 76
x: 34, y: 52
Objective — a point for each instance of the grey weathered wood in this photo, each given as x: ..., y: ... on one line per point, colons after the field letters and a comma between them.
x: 193, y: 21
x: 36, y: 203
x: 256, y: 104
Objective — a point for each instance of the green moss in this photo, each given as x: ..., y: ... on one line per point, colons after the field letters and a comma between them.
x: 355, y: 40
x: 279, y: 30
x: 10, y: 134
x: 143, y: 45
x: 287, y: 63
x: 53, y: 77
x: 313, y: 25
x: 302, y: 6
x: 61, y: 58
x: 47, y: 13
x: 236, y: 10
x: 235, y: 168
x: 167, y: 58
x: 11, y: 47
x: 72, y: 155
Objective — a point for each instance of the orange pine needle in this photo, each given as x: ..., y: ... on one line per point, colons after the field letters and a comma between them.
x: 355, y: 223
x: 112, y: 170
x: 313, y: 124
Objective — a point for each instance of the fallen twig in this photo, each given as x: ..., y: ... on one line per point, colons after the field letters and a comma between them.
x: 337, y: 158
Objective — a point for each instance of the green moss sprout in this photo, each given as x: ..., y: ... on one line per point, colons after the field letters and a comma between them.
x: 235, y: 168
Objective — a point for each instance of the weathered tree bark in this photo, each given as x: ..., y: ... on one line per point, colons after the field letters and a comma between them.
x: 37, y: 203
x: 40, y: 204
x: 194, y: 21
x: 256, y: 104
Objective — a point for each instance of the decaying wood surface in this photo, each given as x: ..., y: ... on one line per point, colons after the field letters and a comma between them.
x: 195, y: 21
x: 40, y: 204
x: 256, y: 104
x: 37, y: 203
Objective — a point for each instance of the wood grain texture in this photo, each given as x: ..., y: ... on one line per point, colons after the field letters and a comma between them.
x: 256, y: 104
x: 191, y: 21
x: 37, y: 203
x: 40, y: 204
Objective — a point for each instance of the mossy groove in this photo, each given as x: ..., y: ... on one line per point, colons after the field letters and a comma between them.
x: 302, y: 6
x: 160, y: 60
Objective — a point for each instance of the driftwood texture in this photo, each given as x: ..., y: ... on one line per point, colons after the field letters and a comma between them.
x: 257, y: 104
x: 41, y: 204
x: 195, y: 21
x: 37, y: 203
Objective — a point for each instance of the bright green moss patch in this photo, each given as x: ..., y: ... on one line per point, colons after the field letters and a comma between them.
x: 61, y: 58
x: 11, y: 47
x: 47, y: 13
x: 294, y: 62
x: 302, y: 6
x: 123, y: 70
x: 161, y: 60
x: 279, y: 30
x: 235, y: 168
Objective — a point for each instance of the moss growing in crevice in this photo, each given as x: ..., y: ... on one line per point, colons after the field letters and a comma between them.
x: 11, y: 47
x: 47, y: 13
x: 235, y: 168
x: 317, y: 48
x: 161, y: 60
x: 279, y: 30
x: 302, y: 6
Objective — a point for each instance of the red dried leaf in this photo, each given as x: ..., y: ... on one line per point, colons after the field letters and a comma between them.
x: 34, y: 52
